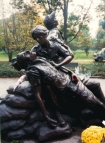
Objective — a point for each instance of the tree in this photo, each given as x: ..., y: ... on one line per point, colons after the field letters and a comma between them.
x: 101, y: 9
x: 100, y: 38
x: 51, y: 5
x: 16, y: 30
x: 85, y: 43
x: 82, y: 41
x: 102, y: 23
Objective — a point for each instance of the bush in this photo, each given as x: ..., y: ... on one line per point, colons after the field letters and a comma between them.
x: 6, y: 70
x: 96, y: 69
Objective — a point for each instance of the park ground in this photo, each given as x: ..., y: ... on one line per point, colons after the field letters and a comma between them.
x: 74, y: 138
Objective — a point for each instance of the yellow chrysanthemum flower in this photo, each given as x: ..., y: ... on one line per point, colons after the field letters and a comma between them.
x: 93, y: 134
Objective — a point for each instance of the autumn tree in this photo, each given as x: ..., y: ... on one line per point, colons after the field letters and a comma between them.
x: 16, y: 29
x: 101, y: 29
x: 51, y: 5
x: 100, y: 37
x: 59, y: 5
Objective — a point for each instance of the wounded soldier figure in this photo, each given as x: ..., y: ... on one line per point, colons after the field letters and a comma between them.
x: 40, y: 72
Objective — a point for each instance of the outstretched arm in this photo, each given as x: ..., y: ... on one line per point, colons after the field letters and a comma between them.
x: 37, y: 93
x: 64, y: 62
x: 20, y: 80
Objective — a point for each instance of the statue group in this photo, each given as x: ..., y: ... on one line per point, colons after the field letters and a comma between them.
x: 49, y: 100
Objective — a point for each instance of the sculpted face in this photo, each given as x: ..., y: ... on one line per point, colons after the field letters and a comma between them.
x: 26, y: 56
x: 33, y: 55
x: 40, y: 39
x: 29, y: 55
x: 55, y: 22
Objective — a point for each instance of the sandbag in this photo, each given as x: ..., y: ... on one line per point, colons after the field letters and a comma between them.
x: 10, y: 90
x: 45, y: 132
x: 12, y: 125
x: 19, y: 101
x: 88, y: 118
x: 88, y: 114
x: 35, y: 116
x: 69, y: 119
x: 8, y: 113
x: 24, y: 132
x: 23, y: 89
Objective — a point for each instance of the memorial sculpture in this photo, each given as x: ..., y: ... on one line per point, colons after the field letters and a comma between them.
x: 41, y: 72
x: 52, y: 51
x: 51, y: 23
x: 48, y: 49
x: 55, y: 35
x: 52, y: 88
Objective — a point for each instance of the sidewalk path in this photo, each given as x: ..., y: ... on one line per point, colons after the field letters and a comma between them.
x: 5, y: 83
x: 75, y: 138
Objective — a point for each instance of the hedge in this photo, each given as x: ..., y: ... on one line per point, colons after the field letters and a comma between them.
x: 6, y: 70
x: 96, y: 69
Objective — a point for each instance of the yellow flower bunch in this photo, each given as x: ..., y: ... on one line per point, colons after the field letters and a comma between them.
x: 93, y: 134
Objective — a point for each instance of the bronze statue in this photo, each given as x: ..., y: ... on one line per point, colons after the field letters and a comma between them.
x: 40, y: 72
x: 54, y: 34
x: 44, y: 69
x: 48, y: 49
x: 51, y: 24
x: 52, y: 51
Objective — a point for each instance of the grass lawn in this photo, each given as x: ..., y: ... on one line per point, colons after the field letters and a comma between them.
x: 77, y: 56
x: 82, y: 55
x: 85, y: 64
x: 4, y: 56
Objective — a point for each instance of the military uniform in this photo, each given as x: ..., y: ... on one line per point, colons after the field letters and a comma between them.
x: 53, y: 53
x: 40, y: 72
x: 56, y: 34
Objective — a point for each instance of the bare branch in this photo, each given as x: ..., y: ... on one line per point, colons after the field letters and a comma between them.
x: 82, y: 22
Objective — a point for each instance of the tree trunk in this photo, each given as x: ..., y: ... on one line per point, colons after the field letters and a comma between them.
x: 65, y: 14
x: 10, y: 55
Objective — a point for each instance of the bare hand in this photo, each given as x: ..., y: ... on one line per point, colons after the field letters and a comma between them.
x: 51, y: 122
x: 20, y: 80
x: 15, y: 87
x: 54, y: 64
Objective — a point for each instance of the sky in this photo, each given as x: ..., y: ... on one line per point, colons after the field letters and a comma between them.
x: 93, y: 25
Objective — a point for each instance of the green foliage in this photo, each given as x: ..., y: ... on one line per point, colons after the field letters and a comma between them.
x: 15, y: 141
x: 83, y: 40
x: 15, y: 31
x: 50, y: 5
x: 7, y: 71
x: 102, y: 23
x: 96, y: 69
x: 4, y: 56
x: 100, y: 38
x: 101, y: 30
x: 100, y: 9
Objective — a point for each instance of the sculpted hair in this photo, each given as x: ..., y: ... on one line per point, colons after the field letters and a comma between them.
x: 49, y: 21
x: 39, y: 30
x: 22, y: 61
